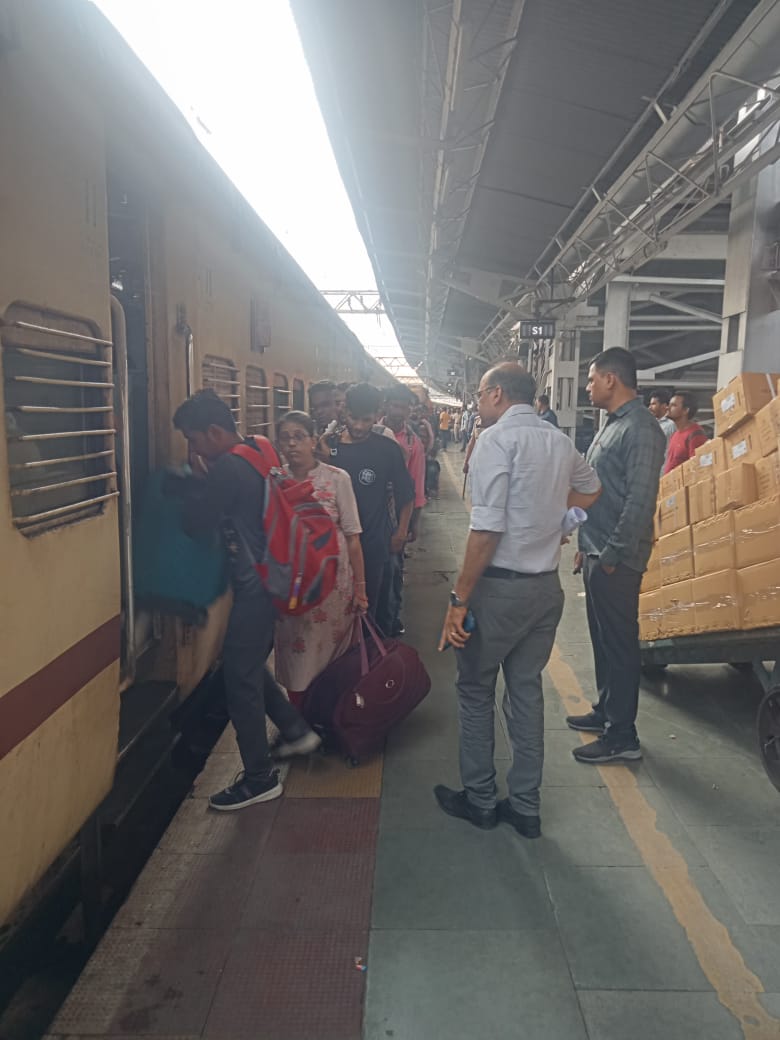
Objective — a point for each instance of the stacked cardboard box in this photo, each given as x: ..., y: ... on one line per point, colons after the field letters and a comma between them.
x: 716, y: 560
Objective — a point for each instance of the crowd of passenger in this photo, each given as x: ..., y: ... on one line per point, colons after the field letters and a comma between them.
x: 371, y: 461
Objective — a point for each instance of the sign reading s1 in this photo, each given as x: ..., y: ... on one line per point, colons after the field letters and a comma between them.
x: 537, y: 329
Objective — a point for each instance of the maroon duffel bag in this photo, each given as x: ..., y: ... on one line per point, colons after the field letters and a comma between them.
x: 361, y: 695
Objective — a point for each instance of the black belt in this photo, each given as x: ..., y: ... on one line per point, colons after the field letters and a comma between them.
x: 504, y: 572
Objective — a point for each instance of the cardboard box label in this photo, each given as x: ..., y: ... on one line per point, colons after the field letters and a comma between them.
x: 728, y: 404
x: 706, y: 459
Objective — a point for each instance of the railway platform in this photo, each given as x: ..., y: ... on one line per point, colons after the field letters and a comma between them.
x: 353, y: 908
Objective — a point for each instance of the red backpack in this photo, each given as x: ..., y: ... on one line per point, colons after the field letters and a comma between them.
x: 302, y: 549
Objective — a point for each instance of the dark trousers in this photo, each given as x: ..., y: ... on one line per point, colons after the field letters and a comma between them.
x: 250, y: 689
x: 612, y: 602
x: 374, y: 557
x: 388, y: 611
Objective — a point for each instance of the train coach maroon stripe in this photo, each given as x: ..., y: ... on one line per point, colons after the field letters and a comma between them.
x: 28, y: 705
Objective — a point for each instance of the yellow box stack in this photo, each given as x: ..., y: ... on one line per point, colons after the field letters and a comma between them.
x: 716, y: 560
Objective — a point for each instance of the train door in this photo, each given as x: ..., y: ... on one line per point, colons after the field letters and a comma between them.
x: 129, y: 278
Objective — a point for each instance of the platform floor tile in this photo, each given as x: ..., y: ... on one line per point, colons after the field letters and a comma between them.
x: 318, y: 891
x: 478, y: 984
x: 323, y: 825
x: 458, y: 878
x: 611, y: 1015
x: 330, y: 776
x: 619, y: 931
x: 291, y: 986
x: 188, y: 890
x: 198, y: 829
x: 144, y: 982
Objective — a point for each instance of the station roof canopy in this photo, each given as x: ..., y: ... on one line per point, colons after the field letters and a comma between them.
x: 475, y: 137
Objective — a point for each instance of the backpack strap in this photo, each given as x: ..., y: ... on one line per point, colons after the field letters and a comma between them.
x: 259, y: 453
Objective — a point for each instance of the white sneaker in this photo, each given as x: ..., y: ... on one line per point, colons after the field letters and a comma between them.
x: 302, y: 746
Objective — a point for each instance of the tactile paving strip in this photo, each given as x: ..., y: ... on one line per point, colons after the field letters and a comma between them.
x: 290, y: 986
x: 324, y: 825
x: 324, y: 892
x: 146, y: 981
x: 196, y: 828
x: 330, y: 776
x: 188, y: 890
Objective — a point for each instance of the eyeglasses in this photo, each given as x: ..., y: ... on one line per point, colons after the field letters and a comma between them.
x: 295, y: 437
x: 484, y: 390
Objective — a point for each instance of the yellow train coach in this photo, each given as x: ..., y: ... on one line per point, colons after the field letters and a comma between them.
x: 131, y: 272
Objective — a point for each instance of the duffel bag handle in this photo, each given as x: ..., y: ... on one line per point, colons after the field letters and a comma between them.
x: 359, y: 623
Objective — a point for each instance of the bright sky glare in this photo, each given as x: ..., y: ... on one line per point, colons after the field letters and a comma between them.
x: 236, y: 69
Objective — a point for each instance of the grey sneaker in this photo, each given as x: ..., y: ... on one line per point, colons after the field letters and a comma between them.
x: 304, y: 745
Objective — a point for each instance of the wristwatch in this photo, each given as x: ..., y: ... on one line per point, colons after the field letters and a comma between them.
x: 455, y: 602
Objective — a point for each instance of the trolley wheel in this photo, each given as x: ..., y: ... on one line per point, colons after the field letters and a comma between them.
x: 768, y: 729
x: 653, y: 671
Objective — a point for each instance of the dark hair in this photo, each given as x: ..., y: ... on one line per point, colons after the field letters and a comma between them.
x: 517, y: 384
x: 325, y: 386
x: 661, y: 395
x: 363, y: 399
x: 344, y: 386
x: 689, y: 401
x: 300, y: 419
x: 543, y: 399
x: 202, y: 410
x: 620, y: 362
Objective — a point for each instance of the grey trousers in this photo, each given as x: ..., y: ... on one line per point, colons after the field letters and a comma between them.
x: 516, y: 624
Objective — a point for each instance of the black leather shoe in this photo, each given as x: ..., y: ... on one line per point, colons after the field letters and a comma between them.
x: 526, y: 826
x: 455, y: 803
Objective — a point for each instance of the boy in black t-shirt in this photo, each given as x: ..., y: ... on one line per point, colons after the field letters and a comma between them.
x: 376, y: 467
x: 231, y: 497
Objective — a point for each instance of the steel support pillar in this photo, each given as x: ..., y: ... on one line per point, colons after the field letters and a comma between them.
x: 617, y: 314
x: 751, y: 314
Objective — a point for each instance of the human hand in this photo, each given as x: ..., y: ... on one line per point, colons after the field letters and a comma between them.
x: 360, y: 601
x: 453, y: 631
x: 465, y: 467
x: 397, y: 542
x: 579, y: 559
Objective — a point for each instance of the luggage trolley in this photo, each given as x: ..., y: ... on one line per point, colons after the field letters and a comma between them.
x: 755, y: 650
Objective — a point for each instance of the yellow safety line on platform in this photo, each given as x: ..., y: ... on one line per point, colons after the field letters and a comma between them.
x: 736, y: 986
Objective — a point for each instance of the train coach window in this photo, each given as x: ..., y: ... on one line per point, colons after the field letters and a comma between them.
x: 282, y: 395
x: 59, y: 419
x: 298, y: 396
x: 257, y: 418
x: 221, y: 376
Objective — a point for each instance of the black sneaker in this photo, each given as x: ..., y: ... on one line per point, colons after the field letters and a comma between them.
x: 455, y: 803
x: 398, y: 629
x: 624, y: 749
x: 243, y: 792
x: 590, y: 723
x: 526, y: 826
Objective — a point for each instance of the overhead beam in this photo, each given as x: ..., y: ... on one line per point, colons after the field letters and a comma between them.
x: 693, y: 245
x: 686, y: 308
x: 670, y: 366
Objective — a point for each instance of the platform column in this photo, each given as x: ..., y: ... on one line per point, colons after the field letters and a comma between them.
x: 750, y: 340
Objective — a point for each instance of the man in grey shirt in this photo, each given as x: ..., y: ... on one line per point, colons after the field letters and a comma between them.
x: 523, y: 474
x: 659, y: 407
x: 615, y: 546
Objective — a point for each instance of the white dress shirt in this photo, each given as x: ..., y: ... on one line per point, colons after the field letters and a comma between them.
x: 522, y: 471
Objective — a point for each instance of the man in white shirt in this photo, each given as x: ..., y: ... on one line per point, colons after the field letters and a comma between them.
x: 524, y: 477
